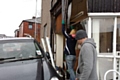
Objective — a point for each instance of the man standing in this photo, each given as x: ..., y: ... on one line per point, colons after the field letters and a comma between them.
x: 70, y: 50
x: 87, y: 61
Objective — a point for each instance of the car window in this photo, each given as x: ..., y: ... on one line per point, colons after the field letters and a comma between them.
x: 19, y: 49
x: 38, y: 49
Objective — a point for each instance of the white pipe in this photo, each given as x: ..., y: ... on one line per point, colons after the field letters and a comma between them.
x: 43, y: 43
x: 50, y: 52
x: 35, y: 20
x: 114, y: 46
x: 89, y: 27
x: 110, y: 71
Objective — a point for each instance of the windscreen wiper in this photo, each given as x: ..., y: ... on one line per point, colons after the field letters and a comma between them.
x: 12, y: 59
x: 29, y: 58
x: 7, y: 58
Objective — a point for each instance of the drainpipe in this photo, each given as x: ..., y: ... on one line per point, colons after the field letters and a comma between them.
x: 35, y: 21
x: 63, y: 11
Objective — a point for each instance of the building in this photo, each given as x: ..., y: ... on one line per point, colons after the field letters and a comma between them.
x: 48, y: 29
x: 16, y: 33
x: 30, y: 27
x: 102, y: 22
x: 45, y: 19
x: 3, y: 36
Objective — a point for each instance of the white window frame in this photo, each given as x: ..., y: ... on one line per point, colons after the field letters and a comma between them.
x: 113, y: 56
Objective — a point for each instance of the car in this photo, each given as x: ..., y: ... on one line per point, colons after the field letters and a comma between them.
x: 23, y: 58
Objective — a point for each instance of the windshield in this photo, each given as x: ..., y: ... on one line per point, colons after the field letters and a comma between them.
x: 19, y: 49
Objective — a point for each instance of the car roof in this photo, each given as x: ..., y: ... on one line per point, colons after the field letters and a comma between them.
x: 16, y: 38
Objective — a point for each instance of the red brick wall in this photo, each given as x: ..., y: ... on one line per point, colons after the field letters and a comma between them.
x: 30, y: 31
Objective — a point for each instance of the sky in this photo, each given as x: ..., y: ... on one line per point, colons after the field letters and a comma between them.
x: 12, y: 12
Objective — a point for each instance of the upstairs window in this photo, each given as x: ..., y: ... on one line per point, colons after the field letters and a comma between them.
x: 30, y: 26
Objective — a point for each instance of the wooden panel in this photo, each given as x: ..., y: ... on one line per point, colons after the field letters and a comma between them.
x: 58, y: 28
x: 112, y: 5
x: 97, y: 5
x: 104, y: 5
x: 93, y: 5
x: 90, y: 5
x: 79, y: 11
x: 100, y: 5
x: 117, y: 5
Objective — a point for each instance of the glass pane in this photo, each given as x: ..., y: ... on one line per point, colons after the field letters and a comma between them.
x: 105, y: 65
x: 118, y: 35
x: 30, y: 26
x: 85, y: 23
x: 102, y: 32
x: 19, y: 49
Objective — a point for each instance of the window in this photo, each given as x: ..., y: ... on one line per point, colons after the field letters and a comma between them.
x: 102, y: 32
x: 30, y: 26
x: 118, y: 35
x: 19, y: 49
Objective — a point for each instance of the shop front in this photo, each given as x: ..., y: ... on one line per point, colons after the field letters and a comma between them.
x: 105, y: 29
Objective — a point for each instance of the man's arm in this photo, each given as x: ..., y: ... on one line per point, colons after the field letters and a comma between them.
x: 64, y: 31
x: 87, y: 57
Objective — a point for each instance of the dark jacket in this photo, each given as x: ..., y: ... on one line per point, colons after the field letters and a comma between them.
x: 70, y: 42
x: 87, y: 61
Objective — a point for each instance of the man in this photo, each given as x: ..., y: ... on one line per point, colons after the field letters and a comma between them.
x: 87, y: 61
x: 70, y: 50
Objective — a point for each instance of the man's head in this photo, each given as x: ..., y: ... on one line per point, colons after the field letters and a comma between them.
x: 81, y: 35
